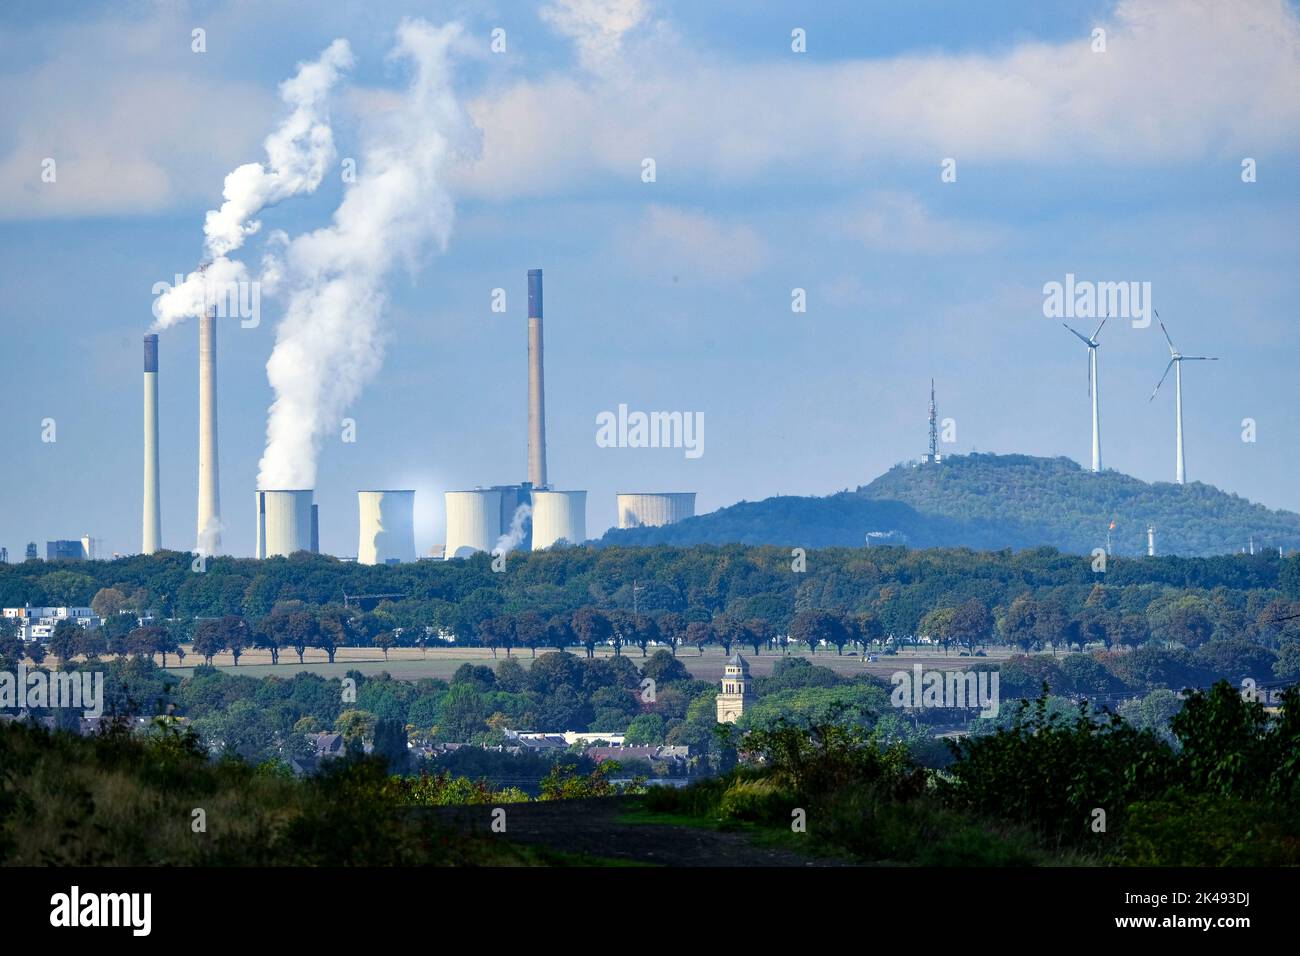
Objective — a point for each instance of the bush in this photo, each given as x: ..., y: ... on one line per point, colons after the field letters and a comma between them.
x: 760, y: 800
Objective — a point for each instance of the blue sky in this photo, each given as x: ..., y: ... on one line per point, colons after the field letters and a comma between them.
x: 775, y: 170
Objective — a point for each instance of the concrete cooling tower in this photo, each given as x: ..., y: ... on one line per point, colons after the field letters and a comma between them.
x: 387, y: 520
x: 152, y: 537
x: 559, y: 516
x: 655, y: 510
x: 284, y: 522
x: 473, y: 522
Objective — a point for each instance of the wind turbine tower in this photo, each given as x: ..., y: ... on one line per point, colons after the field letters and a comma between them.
x: 1093, y: 345
x: 1176, y: 360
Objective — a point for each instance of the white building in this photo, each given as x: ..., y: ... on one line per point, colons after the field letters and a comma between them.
x: 38, y: 623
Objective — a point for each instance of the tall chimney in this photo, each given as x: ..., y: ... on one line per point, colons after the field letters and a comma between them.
x: 152, y: 538
x: 209, y: 493
x: 1151, y: 542
x: 536, y: 387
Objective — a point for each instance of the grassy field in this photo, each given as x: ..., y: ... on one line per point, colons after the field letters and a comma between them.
x: 409, y: 663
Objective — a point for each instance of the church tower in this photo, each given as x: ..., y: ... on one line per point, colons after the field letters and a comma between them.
x: 737, y: 690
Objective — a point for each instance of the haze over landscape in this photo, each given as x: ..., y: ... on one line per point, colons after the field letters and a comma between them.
x: 674, y: 294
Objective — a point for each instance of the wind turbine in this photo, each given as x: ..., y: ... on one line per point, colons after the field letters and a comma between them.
x: 1093, y: 345
x: 1176, y: 360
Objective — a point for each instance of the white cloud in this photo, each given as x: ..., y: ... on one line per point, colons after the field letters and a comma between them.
x: 686, y: 242
x: 597, y: 27
x: 898, y: 222
x: 1180, y: 81
x: 131, y: 125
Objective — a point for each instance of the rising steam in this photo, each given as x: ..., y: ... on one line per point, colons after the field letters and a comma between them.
x: 515, y: 536
x: 297, y: 156
x: 328, y: 345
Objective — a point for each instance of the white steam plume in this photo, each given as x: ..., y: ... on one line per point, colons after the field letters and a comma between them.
x: 328, y: 345
x: 298, y: 153
x: 515, y: 536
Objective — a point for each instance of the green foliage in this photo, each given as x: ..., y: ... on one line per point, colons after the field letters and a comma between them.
x: 565, y: 782
x: 990, y: 502
x: 117, y: 799
x: 763, y: 800
x: 1049, y: 772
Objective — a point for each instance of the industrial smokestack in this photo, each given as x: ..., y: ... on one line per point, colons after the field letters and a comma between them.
x: 152, y: 538
x: 1151, y: 542
x: 536, y: 387
x: 209, y: 493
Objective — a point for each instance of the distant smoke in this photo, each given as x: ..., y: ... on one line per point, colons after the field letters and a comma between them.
x: 297, y: 155
x: 328, y: 346
x: 515, y: 536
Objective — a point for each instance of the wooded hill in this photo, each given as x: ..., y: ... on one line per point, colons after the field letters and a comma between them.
x: 990, y: 502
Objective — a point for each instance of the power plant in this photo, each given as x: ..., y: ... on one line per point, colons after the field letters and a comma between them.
x: 151, y: 540
x: 530, y: 515
x: 656, y: 509
x: 387, y: 522
x: 209, y: 536
x: 496, y: 518
x: 559, y: 516
x: 286, y: 521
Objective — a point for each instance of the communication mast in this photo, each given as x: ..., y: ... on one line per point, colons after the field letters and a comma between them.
x: 933, y: 456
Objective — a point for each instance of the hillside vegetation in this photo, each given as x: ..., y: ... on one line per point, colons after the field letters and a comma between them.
x: 990, y: 502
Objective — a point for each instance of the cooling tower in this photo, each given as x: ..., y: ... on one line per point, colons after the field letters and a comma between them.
x: 209, y: 539
x: 536, y: 386
x: 387, y: 526
x: 315, y: 529
x: 284, y: 522
x: 654, y: 510
x: 559, y: 516
x: 473, y: 522
x: 151, y: 540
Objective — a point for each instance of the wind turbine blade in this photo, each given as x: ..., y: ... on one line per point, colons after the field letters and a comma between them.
x: 1085, y: 341
x: 1172, y: 350
x: 1201, y: 358
x: 1098, y: 332
x: 1162, y: 378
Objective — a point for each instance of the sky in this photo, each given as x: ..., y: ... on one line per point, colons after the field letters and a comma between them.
x: 921, y: 171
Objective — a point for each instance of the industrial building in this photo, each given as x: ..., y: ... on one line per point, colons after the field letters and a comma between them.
x: 287, y: 522
x: 387, y: 526
x: 71, y: 549
x: 482, y: 519
x: 653, y: 510
x: 514, y: 497
x: 38, y: 623
x: 559, y: 516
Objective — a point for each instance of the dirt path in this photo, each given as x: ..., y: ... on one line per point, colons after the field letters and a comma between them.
x: 594, y: 828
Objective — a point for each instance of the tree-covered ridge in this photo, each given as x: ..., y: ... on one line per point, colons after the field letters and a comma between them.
x: 1224, y: 597
x: 989, y: 502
